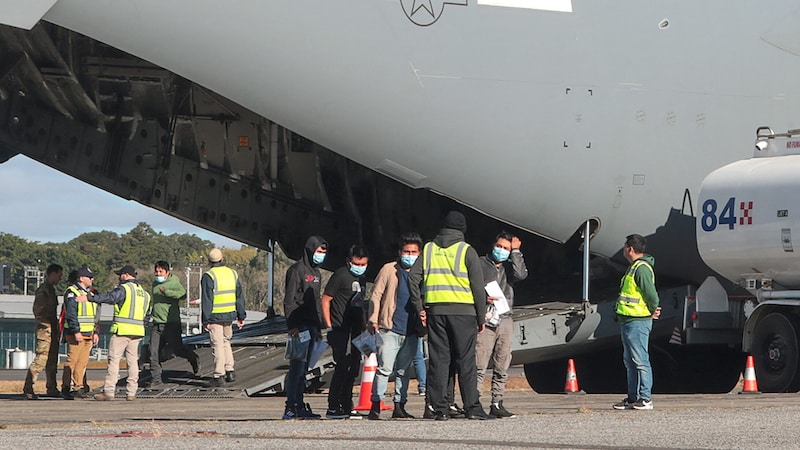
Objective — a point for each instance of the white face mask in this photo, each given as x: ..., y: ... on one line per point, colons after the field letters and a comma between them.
x: 161, y: 279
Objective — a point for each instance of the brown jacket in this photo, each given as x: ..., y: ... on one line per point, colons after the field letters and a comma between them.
x: 384, y: 296
x: 45, y: 303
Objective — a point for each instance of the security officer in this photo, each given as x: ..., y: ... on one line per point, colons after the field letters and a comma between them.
x: 131, y: 306
x: 451, y: 275
x: 44, y: 311
x: 222, y: 303
x: 80, y: 332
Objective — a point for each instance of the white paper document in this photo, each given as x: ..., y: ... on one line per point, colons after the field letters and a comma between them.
x: 500, y: 304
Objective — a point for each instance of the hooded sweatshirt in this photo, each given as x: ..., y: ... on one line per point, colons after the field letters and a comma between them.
x: 301, y: 301
x: 446, y: 238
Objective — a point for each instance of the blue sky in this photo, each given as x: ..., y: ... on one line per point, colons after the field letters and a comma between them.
x: 38, y: 203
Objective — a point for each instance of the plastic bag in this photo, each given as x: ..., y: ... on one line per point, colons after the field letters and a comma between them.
x: 297, y: 346
x: 368, y: 343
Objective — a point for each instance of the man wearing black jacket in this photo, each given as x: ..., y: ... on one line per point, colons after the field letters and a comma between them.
x: 302, y: 311
x: 450, y: 272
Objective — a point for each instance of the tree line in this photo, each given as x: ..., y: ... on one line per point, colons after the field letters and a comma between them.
x: 106, y: 251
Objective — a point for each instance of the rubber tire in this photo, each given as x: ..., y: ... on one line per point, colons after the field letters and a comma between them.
x: 548, y: 377
x: 775, y: 353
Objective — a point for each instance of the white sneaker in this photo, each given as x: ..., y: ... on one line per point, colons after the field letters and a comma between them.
x: 643, y: 404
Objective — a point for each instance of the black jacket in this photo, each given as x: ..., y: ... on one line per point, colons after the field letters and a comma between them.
x: 301, y: 301
x: 444, y: 239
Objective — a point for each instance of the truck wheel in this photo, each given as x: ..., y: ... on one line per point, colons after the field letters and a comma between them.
x: 548, y: 377
x: 775, y: 355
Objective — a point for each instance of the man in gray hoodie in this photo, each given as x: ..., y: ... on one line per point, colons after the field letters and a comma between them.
x: 450, y: 273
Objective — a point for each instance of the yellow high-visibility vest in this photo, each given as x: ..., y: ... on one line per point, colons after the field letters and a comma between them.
x: 86, y: 312
x: 224, y: 279
x: 445, y: 274
x: 129, y: 316
x: 630, y: 301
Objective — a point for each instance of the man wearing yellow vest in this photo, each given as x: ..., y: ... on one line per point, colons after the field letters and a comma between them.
x: 637, y: 306
x: 131, y: 307
x: 79, y: 332
x: 222, y: 303
x: 451, y: 276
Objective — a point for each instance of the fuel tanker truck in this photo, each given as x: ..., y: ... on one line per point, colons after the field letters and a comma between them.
x: 747, y: 230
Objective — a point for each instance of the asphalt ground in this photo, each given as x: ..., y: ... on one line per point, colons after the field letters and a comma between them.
x: 543, y: 421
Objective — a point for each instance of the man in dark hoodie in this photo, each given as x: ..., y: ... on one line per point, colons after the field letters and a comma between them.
x: 302, y: 311
x: 637, y: 306
x: 450, y: 273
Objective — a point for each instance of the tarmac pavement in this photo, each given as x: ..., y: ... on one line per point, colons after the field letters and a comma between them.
x: 543, y: 421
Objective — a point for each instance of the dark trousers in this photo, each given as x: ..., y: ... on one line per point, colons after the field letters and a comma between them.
x: 451, y: 339
x: 168, y: 334
x: 295, y: 381
x: 348, y: 362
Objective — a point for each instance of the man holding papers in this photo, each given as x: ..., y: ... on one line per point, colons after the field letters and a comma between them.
x: 503, y: 267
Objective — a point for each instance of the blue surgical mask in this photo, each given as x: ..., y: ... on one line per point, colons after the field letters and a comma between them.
x: 500, y: 254
x: 161, y: 279
x: 357, y: 270
x: 408, y: 260
x: 318, y: 258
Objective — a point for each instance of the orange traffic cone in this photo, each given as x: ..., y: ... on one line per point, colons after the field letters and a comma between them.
x: 750, y: 383
x: 571, y: 386
x: 365, y: 391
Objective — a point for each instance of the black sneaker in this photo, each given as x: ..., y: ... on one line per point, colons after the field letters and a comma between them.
x: 195, y: 367
x: 289, y: 413
x: 643, y: 404
x: 230, y: 376
x: 624, y: 404
x: 305, y: 413
x: 479, y: 414
x: 438, y: 415
x: 499, y: 411
x: 216, y: 382
x: 337, y: 414
x: 429, y: 412
x: 456, y: 411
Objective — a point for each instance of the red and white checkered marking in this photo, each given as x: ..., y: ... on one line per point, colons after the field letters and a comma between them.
x: 744, y: 218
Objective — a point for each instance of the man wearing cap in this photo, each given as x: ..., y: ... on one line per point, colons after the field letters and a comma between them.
x: 131, y: 306
x: 79, y: 332
x: 222, y: 303
x: 44, y: 311
x: 450, y: 272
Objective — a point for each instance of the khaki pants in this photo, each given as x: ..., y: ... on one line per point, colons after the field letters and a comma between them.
x: 129, y: 345
x: 77, y: 360
x: 46, y: 358
x: 220, y: 335
x: 494, y: 345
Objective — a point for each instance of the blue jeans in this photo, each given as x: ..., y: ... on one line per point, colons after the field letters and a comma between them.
x: 295, y: 381
x: 419, y: 364
x: 635, y: 339
x: 395, y: 355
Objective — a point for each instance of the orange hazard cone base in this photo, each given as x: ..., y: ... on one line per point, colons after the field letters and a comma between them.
x: 571, y: 386
x: 750, y: 385
x: 365, y: 391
